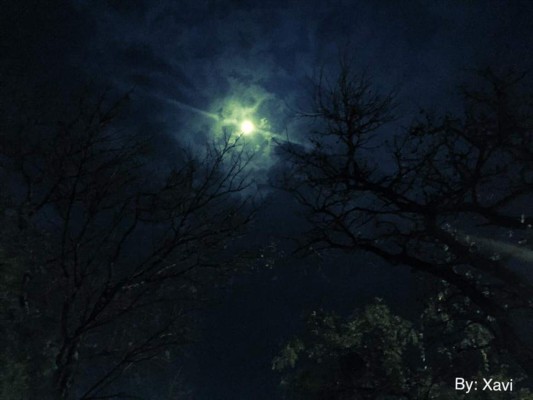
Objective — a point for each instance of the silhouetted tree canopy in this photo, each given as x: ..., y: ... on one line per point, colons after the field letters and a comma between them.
x: 448, y: 196
x: 375, y: 354
x: 104, y: 259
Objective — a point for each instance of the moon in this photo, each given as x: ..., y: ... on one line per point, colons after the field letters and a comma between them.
x: 247, y: 127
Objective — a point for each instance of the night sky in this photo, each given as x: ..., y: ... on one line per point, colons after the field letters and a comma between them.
x: 185, y: 62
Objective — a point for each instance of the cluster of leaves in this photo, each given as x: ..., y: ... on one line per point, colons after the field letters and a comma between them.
x: 375, y: 354
x: 27, y: 358
x: 13, y: 373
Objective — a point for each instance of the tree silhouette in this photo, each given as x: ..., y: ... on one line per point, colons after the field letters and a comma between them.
x: 112, y: 254
x: 375, y: 354
x: 448, y: 196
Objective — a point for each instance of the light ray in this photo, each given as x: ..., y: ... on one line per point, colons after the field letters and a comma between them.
x: 194, y: 109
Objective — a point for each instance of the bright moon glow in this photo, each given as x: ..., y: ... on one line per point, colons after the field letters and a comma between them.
x: 247, y: 127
